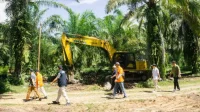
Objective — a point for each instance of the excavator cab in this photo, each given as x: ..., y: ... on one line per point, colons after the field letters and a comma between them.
x: 134, y: 69
x: 126, y: 59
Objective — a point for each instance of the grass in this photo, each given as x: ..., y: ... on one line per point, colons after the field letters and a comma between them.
x: 93, y: 88
x: 182, y: 81
x: 90, y: 107
x: 24, y: 88
x: 168, y: 82
x: 148, y: 84
x: 18, y: 89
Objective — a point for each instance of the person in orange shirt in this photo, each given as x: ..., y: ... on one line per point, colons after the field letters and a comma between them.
x: 119, y: 81
x: 40, y: 84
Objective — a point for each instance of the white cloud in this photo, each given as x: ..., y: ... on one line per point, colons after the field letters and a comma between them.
x: 3, y: 16
x: 84, y: 2
x: 87, y: 1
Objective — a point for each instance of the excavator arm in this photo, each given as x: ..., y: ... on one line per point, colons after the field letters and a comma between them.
x: 86, y: 40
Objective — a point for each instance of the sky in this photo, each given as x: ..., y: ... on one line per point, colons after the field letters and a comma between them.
x: 96, y: 6
x: 2, y: 12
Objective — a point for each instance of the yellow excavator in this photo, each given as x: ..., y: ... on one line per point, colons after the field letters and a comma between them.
x: 134, y: 69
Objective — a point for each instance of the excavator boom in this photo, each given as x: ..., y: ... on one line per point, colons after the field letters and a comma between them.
x: 86, y: 40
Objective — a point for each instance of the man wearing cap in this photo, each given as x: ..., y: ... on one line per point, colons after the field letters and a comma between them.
x: 119, y: 91
x: 176, y: 73
x: 156, y: 76
x: 119, y: 81
x: 40, y: 84
x: 32, y: 86
x: 62, y: 83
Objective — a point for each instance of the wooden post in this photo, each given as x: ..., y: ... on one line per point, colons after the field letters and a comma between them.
x: 39, y: 41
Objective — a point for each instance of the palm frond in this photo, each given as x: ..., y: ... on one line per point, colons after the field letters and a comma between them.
x: 51, y: 3
x: 39, y: 15
x: 194, y: 7
x: 54, y: 23
x: 113, y: 4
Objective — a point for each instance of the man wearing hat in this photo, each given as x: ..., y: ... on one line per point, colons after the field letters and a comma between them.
x: 119, y: 81
x: 62, y: 83
x: 156, y: 76
x: 32, y: 86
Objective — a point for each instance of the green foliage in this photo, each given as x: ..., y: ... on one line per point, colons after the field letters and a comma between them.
x: 146, y: 84
x: 4, y: 71
x: 15, y: 80
x: 4, y: 84
x: 94, y: 75
x: 171, y: 26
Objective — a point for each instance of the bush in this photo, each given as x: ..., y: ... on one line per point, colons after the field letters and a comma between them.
x: 94, y: 75
x: 4, y: 84
x: 146, y: 84
x: 15, y: 80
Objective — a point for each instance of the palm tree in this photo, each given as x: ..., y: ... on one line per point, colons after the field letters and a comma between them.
x: 84, y: 24
x: 148, y: 10
x: 23, y: 26
x: 189, y: 13
x: 4, y: 46
x: 20, y: 29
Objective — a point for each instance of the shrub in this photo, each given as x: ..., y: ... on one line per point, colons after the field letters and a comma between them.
x: 4, y: 84
x: 94, y: 75
x: 146, y: 84
x: 15, y: 80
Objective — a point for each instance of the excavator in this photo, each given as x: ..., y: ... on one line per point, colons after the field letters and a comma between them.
x: 135, y: 70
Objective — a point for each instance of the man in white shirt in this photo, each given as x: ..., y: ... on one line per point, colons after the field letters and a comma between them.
x: 156, y: 77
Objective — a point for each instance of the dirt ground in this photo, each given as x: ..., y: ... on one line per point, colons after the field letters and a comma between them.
x: 86, y: 99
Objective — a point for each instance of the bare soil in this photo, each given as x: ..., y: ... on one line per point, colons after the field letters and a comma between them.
x: 83, y: 99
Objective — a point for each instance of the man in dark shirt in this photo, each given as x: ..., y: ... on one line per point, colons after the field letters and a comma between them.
x: 176, y: 73
x: 62, y: 83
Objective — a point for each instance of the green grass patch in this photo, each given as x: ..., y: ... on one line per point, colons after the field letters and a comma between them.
x: 94, y: 87
x: 24, y: 88
x: 182, y: 81
x: 90, y: 107
x: 146, y: 84
x: 168, y: 82
x: 19, y: 89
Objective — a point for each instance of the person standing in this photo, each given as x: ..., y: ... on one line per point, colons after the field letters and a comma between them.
x: 113, y: 81
x: 62, y: 83
x: 176, y: 72
x: 156, y: 77
x: 119, y: 81
x: 32, y: 86
x: 40, y: 84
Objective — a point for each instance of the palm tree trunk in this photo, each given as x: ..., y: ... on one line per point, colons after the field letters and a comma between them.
x: 162, y: 61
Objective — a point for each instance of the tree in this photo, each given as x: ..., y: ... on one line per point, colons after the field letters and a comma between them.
x: 150, y: 10
x: 4, y: 46
x: 17, y: 10
x: 189, y: 13
x: 23, y: 23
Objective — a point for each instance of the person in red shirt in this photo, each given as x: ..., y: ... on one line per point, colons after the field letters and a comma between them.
x: 119, y: 81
